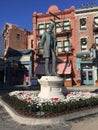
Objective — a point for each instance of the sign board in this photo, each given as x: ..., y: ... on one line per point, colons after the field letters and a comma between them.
x: 25, y: 58
x: 18, y: 58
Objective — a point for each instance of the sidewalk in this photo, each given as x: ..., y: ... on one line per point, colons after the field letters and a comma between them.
x: 23, y: 87
x: 46, y: 121
x: 83, y: 88
x: 18, y: 87
x: 8, y: 88
x: 43, y: 121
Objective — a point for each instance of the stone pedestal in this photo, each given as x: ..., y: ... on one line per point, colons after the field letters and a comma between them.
x: 51, y: 87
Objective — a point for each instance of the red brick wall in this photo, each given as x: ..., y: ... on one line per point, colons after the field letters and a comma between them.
x: 17, y: 43
x: 66, y: 14
x: 89, y: 15
x: 86, y: 33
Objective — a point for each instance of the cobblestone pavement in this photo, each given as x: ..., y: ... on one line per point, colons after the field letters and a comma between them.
x: 86, y: 123
x: 7, y: 123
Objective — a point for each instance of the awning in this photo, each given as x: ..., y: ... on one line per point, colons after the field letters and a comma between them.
x: 64, y: 68
x: 82, y: 54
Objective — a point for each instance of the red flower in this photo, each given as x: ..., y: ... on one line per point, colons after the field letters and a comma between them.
x: 55, y: 99
x: 83, y: 95
x: 29, y: 99
x: 21, y: 93
x: 70, y: 93
x: 25, y: 100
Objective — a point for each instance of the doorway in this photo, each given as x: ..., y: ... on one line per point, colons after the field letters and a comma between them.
x: 87, y: 76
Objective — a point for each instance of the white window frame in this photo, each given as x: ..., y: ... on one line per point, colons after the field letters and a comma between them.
x: 66, y: 24
x: 66, y: 45
x: 59, y: 46
x: 58, y: 27
x: 83, y: 27
x: 41, y: 28
x: 96, y: 21
x: 47, y: 26
x: 83, y: 46
x: 96, y: 41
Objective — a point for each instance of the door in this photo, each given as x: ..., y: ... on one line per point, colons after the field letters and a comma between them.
x: 87, y: 76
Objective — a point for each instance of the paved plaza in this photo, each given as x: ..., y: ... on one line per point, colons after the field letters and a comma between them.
x: 86, y: 123
x: 7, y: 123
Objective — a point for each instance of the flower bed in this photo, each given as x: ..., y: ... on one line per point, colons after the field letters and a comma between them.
x: 28, y: 103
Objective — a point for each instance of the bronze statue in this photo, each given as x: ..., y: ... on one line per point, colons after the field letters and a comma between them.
x: 48, y: 43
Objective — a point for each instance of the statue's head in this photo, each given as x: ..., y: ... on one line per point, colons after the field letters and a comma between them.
x: 51, y: 26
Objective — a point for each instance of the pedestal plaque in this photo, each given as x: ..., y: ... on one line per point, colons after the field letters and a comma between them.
x: 51, y: 87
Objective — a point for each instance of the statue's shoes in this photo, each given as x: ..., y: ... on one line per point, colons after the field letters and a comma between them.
x: 48, y: 74
x: 54, y: 74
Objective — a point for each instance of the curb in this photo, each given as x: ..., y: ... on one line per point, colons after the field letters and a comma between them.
x: 43, y: 121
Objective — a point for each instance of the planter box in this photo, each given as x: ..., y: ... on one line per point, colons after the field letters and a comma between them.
x: 78, y: 83
x: 96, y: 83
x: 68, y: 83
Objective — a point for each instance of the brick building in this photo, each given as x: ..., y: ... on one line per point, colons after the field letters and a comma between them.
x: 15, y: 37
x: 64, y: 30
x: 87, y: 44
x: 18, y: 58
x: 76, y: 33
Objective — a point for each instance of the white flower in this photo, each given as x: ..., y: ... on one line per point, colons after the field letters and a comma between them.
x: 31, y: 97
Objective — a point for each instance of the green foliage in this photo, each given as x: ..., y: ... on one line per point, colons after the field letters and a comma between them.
x: 50, y: 107
x: 20, y: 105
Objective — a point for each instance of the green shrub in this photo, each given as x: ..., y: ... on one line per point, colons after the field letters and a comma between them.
x: 47, y: 107
x: 20, y: 105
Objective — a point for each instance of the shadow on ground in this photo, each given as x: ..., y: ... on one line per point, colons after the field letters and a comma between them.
x: 8, y: 88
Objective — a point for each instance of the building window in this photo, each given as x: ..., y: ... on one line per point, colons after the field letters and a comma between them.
x: 83, y: 47
x: 96, y: 22
x: 83, y: 44
x: 66, y: 45
x: 59, y: 46
x: 47, y: 26
x: 66, y: 25
x: 31, y: 43
x: 58, y: 27
x: 96, y: 41
x: 63, y: 46
x: 83, y: 24
x: 41, y: 29
x: 18, y: 36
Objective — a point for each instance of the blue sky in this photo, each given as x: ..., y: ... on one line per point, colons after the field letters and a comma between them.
x: 20, y: 12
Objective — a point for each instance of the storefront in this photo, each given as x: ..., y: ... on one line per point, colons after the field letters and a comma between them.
x: 19, y: 67
x: 64, y: 69
x: 88, y: 69
x: 87, y: 74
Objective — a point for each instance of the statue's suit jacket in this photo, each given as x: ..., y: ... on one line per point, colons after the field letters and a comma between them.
x: 48, y: 43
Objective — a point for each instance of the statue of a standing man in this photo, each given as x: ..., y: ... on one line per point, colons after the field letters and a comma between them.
x: 48, y: 43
